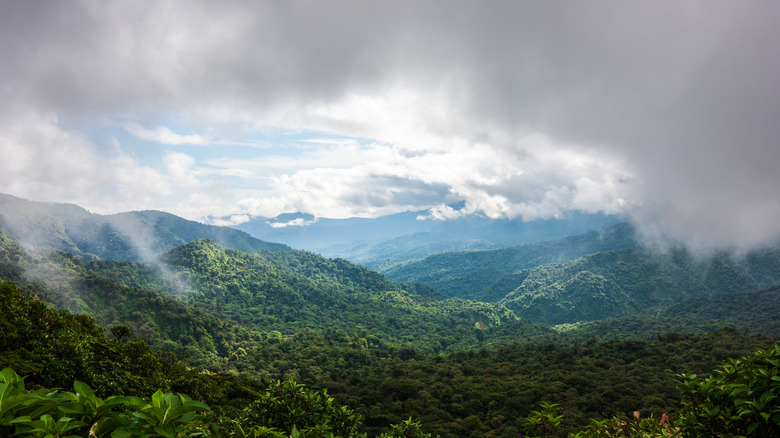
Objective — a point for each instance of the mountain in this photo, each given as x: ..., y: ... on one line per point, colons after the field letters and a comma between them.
x: 298, y: 289
x: 231, y: 275
x: 124, y: 236
x: 495, y: 390
x: 753, y: 311
x: 590, y: 277
x: 487, y: 275
x: 386, y: 240
x: 213, y: 300
x: 615, y: 283
x: 391, y: 349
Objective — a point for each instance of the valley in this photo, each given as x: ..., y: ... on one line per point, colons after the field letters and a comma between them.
x: 468, y: 343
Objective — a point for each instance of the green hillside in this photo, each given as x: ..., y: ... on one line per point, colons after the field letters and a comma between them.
x: 485, y: 392
x: 476, y: 274
x: 633, y: 280
x: 599, y: 335
x: 298, y: 289
x: 221, y: 304
x: 124, y: 236
x: 749, y: 312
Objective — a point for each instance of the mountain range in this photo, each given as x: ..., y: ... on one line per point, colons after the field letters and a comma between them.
x: 584, y: 278
x: 589, y: 277
x: 381, y: 242
x: 396, y: 342
x: 125, y: 236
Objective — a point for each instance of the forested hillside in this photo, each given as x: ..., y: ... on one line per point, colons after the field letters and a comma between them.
x: 633, y: 280
x: 483, y: 275
x: 218, y: 302
x: 750, y: 312
x: 485, y: 392
x: 614, y: 326
x: 592, y: 277
x: 124, y: 236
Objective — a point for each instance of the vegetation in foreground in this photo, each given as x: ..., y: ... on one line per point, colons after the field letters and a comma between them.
x: 112, y: 380
x: 268, y: 326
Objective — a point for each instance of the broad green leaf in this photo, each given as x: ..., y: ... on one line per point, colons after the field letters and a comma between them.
x: 84, y: 390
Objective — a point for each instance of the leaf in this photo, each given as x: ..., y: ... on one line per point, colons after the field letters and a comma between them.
x: 84, y: 390
x: 158, y: 398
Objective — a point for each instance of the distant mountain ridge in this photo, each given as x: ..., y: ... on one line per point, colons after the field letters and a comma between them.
x: 589, y: 277
x: 237, y: 310
x: 596, y: 276
x: 480, y: 274
x: 634, y: 280
x: 136, y: 235
x: 381, y: 242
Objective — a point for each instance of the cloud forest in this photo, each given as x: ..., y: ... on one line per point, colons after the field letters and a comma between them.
x: 199, y: 330
x: 389, y: 219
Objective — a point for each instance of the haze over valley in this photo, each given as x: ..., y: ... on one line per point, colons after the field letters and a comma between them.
x: 389, y: 219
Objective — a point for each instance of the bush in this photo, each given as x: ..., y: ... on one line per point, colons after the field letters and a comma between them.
x: 741, y: 399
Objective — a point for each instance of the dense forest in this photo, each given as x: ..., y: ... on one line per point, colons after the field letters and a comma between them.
x: 486, y: 392
x: 270, y: 341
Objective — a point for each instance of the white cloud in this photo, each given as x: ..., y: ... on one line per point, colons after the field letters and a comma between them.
x: 52, y: 164
x: 535, y: 179
x: 163, y: 135
x: 441, y: 212
x: 42, y: 161
x: 678, y: 127
x: 297, y: 222
x: 179, y: 167
x: 232, y: 220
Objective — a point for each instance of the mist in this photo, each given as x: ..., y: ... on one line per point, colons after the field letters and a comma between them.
x: 664, y: 112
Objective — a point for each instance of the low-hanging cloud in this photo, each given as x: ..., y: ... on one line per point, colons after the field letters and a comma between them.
x: 535, y: 180
x: 663, y: 111
x: 163, y: 135
x: 48, y: 163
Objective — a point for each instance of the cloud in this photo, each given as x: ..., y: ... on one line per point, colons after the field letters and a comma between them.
x: 163, y: 135
x: 297, y: 222
x: 49, y: 163
x: 179, y: 167
x: 441, y: 212
x: 536, y: 180
x: 39, y: 157
x: 235, y: 219
x: 665, y: 111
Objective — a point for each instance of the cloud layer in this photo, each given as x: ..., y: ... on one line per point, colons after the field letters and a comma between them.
x: 664, y: 111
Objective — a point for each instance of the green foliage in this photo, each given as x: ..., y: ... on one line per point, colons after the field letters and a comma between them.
x: 125, y: 236
x: 165, y: 414
x: 544, y: 422
x: 47, y: 413
x: 741, y: 399
x: 275, y: 292
x: 478, y: 391
x: 629, y: 281
x: 634, y: 426
x: 392, y: 351
x: 293, y: 408
x: 407, y: 429
x: 482, y: 274
x: 55, y: 348
x: 594, y: 276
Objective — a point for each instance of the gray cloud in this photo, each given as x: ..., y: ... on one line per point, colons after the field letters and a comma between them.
x: 684, y: 95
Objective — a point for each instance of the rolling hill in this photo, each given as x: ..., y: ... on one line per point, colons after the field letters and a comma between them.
x: 124, y: 236
x: 481, y: 274
x: 381, y: 242
x: 390, y: 349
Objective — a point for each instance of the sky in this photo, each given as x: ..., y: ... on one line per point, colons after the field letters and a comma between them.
x: 666, y: 112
